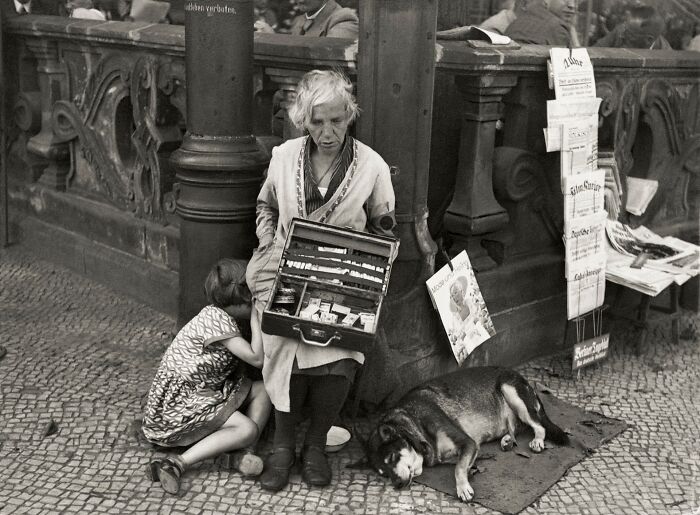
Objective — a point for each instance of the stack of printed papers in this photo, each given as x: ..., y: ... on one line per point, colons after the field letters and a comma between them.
x: 669, y: 260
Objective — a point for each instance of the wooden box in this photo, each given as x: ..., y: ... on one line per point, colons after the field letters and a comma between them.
x: 330, y: 286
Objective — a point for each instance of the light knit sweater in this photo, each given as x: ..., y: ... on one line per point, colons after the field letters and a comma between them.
x: 366, y: 189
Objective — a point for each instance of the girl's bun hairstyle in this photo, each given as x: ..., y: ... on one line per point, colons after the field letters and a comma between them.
x: 225, y: 284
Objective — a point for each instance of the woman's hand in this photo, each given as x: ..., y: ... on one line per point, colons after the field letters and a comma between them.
x: 262, y: 26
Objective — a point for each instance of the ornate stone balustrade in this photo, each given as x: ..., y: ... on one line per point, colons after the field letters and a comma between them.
x: 506, y: 209
x: 100, y: 107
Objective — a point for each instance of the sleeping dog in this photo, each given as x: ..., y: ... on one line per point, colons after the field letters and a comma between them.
x: 446, y: 419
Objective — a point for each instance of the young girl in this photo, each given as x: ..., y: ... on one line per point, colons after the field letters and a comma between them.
x: 199, y: 398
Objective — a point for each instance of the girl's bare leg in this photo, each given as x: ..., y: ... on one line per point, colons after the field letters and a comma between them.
x: 237, y: 432
x: 259, y: 407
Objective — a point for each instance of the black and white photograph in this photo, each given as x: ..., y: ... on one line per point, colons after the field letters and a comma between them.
x: 365, y: 257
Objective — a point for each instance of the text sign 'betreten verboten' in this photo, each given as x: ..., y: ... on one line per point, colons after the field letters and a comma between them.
x: 209, y: 9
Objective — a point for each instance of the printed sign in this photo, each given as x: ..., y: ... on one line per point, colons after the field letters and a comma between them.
x: 590, y: 351
x: 457, y: 297
x: 209, y: 9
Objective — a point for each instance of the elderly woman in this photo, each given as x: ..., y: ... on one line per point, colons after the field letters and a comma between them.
x: 330, y: 177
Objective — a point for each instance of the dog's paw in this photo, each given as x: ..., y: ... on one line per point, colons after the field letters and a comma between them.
x: 507, y: 443
x: 537, y: 445
x: 465, y: 491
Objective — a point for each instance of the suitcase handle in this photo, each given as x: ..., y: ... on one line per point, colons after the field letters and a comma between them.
x: 297, y: 328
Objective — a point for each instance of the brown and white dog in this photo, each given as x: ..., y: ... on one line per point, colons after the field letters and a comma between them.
x: 445, y: 420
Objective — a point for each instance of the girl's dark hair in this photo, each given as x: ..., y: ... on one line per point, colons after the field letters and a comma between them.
x: 225, y: 285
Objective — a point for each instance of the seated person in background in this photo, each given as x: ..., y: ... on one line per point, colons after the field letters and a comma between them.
x: 679, y: 32
x: 500, y: 21
x: 152, y: 11
x: 643, y: 29
x: 695, y: 42
x: 84, y: 10
x: 265, y: 18
x: 325, y: 19
x: 12, y: 8
x: 543, y: 22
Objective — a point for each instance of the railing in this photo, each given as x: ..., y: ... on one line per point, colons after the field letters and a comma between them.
x: 100, y: 107
x: 506, y: 209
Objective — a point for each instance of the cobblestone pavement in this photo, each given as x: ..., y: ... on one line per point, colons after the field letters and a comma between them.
x: 80, y: 359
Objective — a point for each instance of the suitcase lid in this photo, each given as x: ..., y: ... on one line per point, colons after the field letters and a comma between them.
x: 375, y: 244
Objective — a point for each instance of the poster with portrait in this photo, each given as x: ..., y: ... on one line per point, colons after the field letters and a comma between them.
x: 457, y: 298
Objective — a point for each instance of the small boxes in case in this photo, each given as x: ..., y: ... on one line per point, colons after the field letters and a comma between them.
x: 330, y: 286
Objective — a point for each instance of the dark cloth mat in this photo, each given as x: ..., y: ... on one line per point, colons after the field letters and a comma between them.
x: 508, y: 481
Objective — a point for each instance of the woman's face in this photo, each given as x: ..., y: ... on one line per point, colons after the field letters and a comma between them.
x: 328, y: 125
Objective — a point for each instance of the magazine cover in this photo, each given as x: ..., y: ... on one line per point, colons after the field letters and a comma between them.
x: 458, y: 300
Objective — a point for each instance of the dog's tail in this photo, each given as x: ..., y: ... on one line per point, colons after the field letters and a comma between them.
x: 535, y: 409
x: 553, y: 432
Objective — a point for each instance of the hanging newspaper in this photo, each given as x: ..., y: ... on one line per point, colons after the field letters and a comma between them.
x: 561, y: 111
x: 457, y: 298
x: 579, y: 147
x: 584, y: 194
x: 571, y: 73
x: 584, y: 241
x: 585, y: 288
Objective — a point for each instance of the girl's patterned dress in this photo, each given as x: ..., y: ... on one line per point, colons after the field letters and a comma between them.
x: 197, y: 386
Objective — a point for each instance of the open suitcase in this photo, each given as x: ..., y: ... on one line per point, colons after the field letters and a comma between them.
x: 330, y: 286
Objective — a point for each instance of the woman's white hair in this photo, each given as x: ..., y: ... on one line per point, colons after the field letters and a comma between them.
x: 319, y: 87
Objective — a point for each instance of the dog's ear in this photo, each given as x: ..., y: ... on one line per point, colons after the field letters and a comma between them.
x: 386, y: 432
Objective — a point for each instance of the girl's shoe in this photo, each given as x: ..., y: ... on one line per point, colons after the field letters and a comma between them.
x: 169, y: 474
x: 152, y: 469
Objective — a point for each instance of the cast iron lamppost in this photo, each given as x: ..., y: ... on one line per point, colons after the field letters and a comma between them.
x: 220, y: 162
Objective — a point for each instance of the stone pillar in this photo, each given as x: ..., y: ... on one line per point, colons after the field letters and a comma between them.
x: 220, y: 162
x: 395, y: 81
x: 474, y: 209
x: 53, y: 86
x: 395, y: 92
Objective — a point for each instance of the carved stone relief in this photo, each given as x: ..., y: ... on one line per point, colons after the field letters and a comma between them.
x: 652, y: 126
x: 521, y: 185
x: 128, y: 112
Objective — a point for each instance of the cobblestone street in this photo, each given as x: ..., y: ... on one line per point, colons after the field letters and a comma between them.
x: 79, y: 363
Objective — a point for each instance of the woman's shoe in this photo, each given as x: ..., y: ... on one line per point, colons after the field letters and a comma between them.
x: 315, y: 470
x: 169, y: 474
x: 277, y: 468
